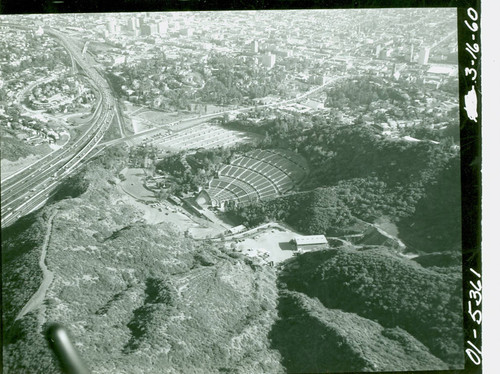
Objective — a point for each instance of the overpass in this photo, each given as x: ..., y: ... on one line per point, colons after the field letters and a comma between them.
x: 203, y: 118
x: 28, y: 189
x: 84, y: 50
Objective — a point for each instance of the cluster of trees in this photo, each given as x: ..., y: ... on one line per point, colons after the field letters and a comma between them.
x: 221, y: 80
x: 43, y: 52
x: 13, y: 114
x: 380, y: 99
x: 362, y: 92
x: 20, y: 254
x: 12, y: 148
x: 65, y: 85
x: 138, y: 154
x: 436, y: 225
x: 56, y: 57
x: 161, y: 90
x: 25, y: 350
x: 157, y: 307
x: 70, y: 187
x: 315, y: 212
x: 184, y: 180
x: 394, y: 291
x: 112, y: 158
x: 365, y: 176
x: 313, y: 338
x: 135, y: 296
x: 21, y: 277
x: 344, y: 152
x: 190, y: 171
x: 231, y: 79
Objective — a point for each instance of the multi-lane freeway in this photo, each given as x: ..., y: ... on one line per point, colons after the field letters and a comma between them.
x: 30, y: 188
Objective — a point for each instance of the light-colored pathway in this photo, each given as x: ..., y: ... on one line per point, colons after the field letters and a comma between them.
x: 38, y: 297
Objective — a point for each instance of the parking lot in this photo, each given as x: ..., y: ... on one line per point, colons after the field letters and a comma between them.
x: 273, y: 245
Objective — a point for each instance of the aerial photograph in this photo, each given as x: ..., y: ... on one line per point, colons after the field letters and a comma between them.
x: 272, y: 191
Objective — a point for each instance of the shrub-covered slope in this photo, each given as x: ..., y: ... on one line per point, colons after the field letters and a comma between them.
x: 436, y: 225
x: 144, y: 298
x: 21, y: 248
x: 357, y: 173
x: 383, y: 287
x: 135, y: 297
x: 315, y: 339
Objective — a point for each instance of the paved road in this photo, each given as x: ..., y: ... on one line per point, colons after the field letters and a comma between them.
x: 26, y: 189
x: 198, y: 120
x: 22, y: 93
x: 30, y: 188
x: 43, y: 194
x: 47, y: 276
x: 443, y: 39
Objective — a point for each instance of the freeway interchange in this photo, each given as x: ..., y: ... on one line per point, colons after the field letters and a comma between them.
x: 29, y: 188
x: 203, y: 118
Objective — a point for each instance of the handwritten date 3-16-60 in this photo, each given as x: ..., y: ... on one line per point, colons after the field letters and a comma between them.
x: 471, y: 72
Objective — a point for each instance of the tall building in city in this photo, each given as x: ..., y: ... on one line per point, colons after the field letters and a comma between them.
x: 141, y: 20
x: 162, y: 27
x: 268, y: 60
x: 412, y: 52
x: 423, y: 56
x: 254, y: 46
x: 112, y: 26
x: 133, y: 24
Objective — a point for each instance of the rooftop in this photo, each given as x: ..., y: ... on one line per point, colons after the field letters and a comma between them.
x: 310, y: 239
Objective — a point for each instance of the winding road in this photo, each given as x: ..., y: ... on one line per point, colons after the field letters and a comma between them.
x: 37, y: 299
x: 28, y: 189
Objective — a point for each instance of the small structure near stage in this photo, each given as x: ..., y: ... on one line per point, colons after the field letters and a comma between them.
x: 203, y: 198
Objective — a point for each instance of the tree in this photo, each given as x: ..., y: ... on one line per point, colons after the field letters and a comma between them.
x: 162, y: 194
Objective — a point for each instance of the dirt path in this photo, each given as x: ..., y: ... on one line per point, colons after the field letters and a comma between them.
x: 38, y: 297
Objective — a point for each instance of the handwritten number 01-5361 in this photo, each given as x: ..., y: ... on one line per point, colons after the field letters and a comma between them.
x: 475, y: 294
x: 475, y: 315
x: 473, y: 352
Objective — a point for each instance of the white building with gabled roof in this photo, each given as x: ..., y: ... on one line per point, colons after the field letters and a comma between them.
x: 306, y: 243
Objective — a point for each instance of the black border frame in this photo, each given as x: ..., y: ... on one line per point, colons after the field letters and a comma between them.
x: 470, y: 131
